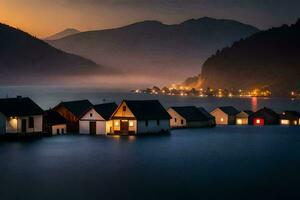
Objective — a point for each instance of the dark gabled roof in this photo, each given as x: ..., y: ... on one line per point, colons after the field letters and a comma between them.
x: 249, y: 112
x: 106, y: 110
x: 19, y: 107
x: 290, y: 114
x: 265, y: 112
x: 147, y: 110
x: 52, y: 117
x: 78, y: 108
x: 204, y: 112
x: 229, y: 110
x: 190, y: 113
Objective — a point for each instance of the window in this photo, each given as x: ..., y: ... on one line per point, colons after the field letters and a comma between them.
x: 57, y: 131
x: 31, y: 122
x: 131, y: 123
x: 91, y: 114
x: 158, y: 122
x: 175, y: 120
x: 116, y: 123
x: 146, y: 122
x: 182, y: 121
x: 124, y: 108
x: 62, y: 131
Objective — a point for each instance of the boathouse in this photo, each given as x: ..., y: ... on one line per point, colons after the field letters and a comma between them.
x: 242, y: 117
x: 140, y: 117
x: 225, y: 115
x: 54, y: 123
x: 72, y: 111
x: 290, y: 118
x: 20, y: 115
x: 189, y: 117
x: 264, y: 116
x: 96, y: 121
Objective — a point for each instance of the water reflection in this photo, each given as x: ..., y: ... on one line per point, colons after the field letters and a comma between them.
x: 254, y: 103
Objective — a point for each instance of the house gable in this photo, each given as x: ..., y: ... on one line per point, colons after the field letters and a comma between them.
x: 69, y: 116
x: 123, y: 111
x: 92, y: 114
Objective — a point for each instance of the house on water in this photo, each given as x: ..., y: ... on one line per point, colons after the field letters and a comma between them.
x: 54, y: 123
x: 264, y: 116
x: 20, y: 115
x: 96, y: 121
x: 225, y: 115
x: 140, y: 117
x: 72, y: 111
x: 189, y: 117
x: 290, y: 118
x: 242, y: 117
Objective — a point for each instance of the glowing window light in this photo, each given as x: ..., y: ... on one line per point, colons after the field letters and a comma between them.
x: 239, y: 121
x: 222, y: 119
x: 131, y: 123
x: 285, y: 122
x: 295, y: 122
x: 116, y: 123
x: 258, y: 121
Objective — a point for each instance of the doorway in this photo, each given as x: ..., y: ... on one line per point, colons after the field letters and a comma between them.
x: 124, y: 126
x: 23, y: 125
x: 93, y: 128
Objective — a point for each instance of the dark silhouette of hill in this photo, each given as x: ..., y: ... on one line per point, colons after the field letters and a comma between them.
x: 64, y: 33
x: 153, y: 48
x: 266, y: 59
x: 24, y: 58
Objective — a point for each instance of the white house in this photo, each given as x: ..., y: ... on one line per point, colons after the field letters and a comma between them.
x: 54, y: 123
x: 242, y: 117
x: 20, y: 115
x: 190, y: 117
x: 96, y: 121
x: 225, y: 115
x: 140, y: 117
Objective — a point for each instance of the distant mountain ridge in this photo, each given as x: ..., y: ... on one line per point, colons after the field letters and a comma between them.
x: 154, y: 48
x: 24, y: 58
x: 266, y: 59
x: 62, y: 34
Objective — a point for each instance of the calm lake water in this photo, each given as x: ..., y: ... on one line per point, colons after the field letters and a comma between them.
x: 48, y: 97
x: 219, y: 163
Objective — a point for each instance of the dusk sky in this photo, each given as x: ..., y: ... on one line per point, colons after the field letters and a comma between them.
x: 45, y: 17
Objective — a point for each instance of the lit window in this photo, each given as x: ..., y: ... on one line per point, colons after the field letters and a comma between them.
x: 116, y: 123
x: 295, y: 122
x: 131, y: 123
x: 222, y: 119
x: 285, y: 122
x: 258, y: 121
x: 239, y: 121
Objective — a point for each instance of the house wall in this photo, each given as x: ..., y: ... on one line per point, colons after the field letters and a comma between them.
x: 116, y: 125
x: 177, y: 120
x: 221, y: 117
x: 242, y: 118
x: 61, y: 127
x: 14, y: 125
x: 72, y: 120
x: 92, y: 116
x: 164, y: 125
x: 2, y: 124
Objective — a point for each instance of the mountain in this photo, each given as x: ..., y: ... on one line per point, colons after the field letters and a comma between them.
x: 25, y: 59
x: 62, y: 34
x: 266, y: 59
x: 156, y: 49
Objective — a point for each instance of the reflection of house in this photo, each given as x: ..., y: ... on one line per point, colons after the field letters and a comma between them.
x: 20, y: 115
x: 72, y: 111
x: 225, y: 115
x: 96, y: 121
x: 263, y: 117
x: 140, y: 117
x: 190, y: 117
x: 290, y: 118
x: 242, y: 117
x: 54, y: 123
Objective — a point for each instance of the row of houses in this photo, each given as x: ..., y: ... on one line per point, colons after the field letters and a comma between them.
x: 22, y: 115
